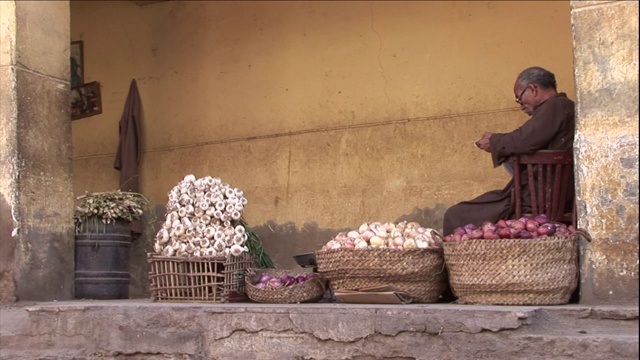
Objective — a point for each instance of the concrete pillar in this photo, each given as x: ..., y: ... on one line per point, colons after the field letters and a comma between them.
x: 605, y: 36
x: 36, y: 198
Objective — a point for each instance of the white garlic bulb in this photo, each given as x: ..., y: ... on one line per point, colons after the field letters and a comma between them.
x: 203, y: 219
x: 401, y: 236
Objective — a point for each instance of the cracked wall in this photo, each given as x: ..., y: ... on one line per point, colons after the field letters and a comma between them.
x: 606, y: 60
x: 36, y: 204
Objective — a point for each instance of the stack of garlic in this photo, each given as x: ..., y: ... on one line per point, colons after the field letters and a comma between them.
x: 203, y: 219
x: 401, y: 236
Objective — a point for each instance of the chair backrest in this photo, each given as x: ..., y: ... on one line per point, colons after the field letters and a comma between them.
x: 550, y: 184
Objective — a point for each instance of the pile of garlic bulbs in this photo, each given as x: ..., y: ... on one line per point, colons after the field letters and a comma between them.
x: 401, y: 236
x: 203, y: 219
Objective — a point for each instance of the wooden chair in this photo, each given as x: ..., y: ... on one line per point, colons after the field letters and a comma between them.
x: 549, y: 183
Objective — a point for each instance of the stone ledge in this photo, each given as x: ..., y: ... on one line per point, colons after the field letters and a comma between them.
x: 146, y: 330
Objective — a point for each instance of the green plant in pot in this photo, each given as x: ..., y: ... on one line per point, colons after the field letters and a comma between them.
x: 102, y: 242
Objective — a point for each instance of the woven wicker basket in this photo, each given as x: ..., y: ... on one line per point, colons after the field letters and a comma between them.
x: 418, y: 272
x: 541, y: 271
x: 311, y: 290
x: 199, y: 279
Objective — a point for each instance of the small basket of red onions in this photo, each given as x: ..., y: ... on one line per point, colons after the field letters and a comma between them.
x: 284, y: 286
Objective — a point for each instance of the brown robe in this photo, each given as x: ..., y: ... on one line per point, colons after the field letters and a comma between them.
x: 129, y: 149
x: 551, y: 127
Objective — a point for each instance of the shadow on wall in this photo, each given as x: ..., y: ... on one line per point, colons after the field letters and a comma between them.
x: 141, y: 245
x: 282, y: 241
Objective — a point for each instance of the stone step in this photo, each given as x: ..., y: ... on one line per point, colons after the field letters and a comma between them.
x: 142, y: 329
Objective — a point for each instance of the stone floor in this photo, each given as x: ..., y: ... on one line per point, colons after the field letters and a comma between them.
x: 143, y: 329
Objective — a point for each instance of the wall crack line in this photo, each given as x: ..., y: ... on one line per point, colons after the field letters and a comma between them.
x: 382, y: 72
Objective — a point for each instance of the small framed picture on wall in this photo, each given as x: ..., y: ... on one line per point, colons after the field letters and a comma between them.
x: 77, y: 64
x: 86, y: 100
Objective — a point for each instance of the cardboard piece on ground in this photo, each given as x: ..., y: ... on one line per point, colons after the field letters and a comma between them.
x: 375, y: 295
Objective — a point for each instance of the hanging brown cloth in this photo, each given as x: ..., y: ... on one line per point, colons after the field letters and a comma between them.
x: 129, y: 149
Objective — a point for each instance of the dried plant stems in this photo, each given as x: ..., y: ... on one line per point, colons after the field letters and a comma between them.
x: 110, y: 206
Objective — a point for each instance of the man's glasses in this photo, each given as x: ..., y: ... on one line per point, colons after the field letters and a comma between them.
x: 519, y: 98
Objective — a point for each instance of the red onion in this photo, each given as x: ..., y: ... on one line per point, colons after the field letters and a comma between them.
x: 470, y: 227
x: 288, y: 280
x: 518, y: 225
x: 261, y: 285
x: 448, y: 238
x: 300, y: 279
x: 562, y: 230
x: 501, y: 223
x: 547, y: 229
x: 541, y: 219
x: 491, y: 235
x: 265, y: 277
x: 274, y: 283
x: 310, y: 276
x: 515, y: 233
x: 488, y: 226
x: 464, y: 237
x: 504, y: 233
x: 531, y: 225
x: 459, y: 231
x: 526, y: 235
x: 476, y: 234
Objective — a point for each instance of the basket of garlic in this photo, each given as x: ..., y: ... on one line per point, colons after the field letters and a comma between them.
x: 201, y: 253
x: 405, y: 256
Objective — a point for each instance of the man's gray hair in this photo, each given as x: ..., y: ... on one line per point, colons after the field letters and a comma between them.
x: 538, y: 76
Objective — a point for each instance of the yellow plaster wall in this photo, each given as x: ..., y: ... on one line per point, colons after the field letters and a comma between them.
x: 334, y: 113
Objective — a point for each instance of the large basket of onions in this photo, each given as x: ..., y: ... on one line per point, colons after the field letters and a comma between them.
x: 526, y: 261
x: 405, y: 256
x: 284, y: 286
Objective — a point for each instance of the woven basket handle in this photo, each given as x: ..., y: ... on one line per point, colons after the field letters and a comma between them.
x: 252, y: 275
x: 404, y: 297
x: 252, y: 271
x: 322, y: 282
x: 584, y: 234
x: 436, y: 235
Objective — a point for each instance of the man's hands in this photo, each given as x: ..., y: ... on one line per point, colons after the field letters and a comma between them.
x: 485, y: 142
